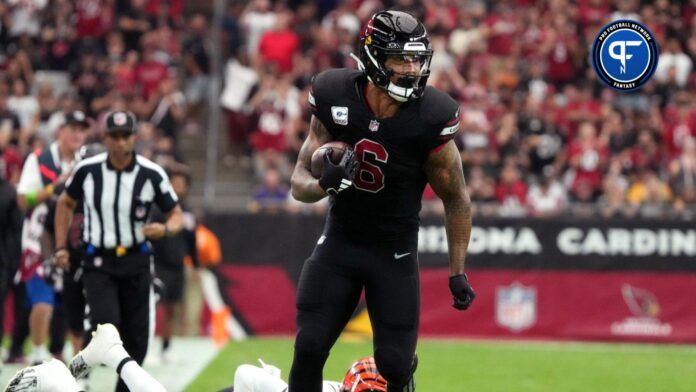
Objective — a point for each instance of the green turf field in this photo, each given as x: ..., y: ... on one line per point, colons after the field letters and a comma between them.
x: 463, y: 366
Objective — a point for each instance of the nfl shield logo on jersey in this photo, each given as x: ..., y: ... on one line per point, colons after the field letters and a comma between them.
x: 374, y: 125
x: 516, y: 306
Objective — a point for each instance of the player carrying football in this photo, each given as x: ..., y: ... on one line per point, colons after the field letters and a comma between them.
x: 401, y: 133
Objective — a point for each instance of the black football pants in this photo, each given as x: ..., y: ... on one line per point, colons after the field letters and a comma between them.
x: 124, y: 301
x: 328, y: 292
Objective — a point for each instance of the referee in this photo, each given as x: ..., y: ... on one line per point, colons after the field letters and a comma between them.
x: 117, y: 188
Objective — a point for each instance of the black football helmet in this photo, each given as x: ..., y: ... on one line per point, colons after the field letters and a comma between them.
x: 395, y: 33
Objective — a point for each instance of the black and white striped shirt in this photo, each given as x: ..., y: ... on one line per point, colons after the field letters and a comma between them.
x: 117, y: 203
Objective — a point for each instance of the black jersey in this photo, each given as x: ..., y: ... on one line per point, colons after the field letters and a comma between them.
x: 386, y: 197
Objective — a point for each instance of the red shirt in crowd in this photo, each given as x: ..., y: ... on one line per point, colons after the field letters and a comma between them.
x: 94, y: 17
x: 592, y: 12
x: 644, y: 159
x: 125, y: 78
x: 149, y: 74
x: 11, y: 164
x: 279, y: 47
x: 503, y: 33
x: 588, y: 163
x: 531, y: 39
x: 515, y: 192
x: 560, y: 59
x: 591, y: 106
x: 270, y: 131
x: 176, y: 8
x: 677, y: 128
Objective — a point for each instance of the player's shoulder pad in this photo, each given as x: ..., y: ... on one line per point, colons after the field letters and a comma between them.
x: 331, y: 84
x: 438, y: 109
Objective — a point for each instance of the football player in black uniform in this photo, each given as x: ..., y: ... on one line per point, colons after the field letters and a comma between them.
x: 401, y: 132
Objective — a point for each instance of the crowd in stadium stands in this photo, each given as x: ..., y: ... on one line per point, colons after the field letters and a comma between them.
x: 540, y: 136
x: 98, y: 56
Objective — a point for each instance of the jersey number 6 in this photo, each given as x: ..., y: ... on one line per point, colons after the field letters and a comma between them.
x: 370, y: 177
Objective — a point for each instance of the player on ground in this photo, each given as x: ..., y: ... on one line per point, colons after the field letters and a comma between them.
x: 362, y: 376
x: 105, y: 348
x: 401, y: 132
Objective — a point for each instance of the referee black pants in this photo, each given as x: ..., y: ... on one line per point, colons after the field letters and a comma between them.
x: 122, y: 297
x: 328, y: 292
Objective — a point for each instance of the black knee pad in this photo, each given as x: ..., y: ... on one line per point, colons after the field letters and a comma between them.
x: 397, y: 368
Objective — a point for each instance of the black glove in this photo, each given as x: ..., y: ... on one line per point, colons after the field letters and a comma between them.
x: 338, y: 178
x: 462, y: 291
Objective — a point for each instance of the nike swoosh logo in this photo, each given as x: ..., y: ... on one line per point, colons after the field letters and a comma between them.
x: 398, y: 256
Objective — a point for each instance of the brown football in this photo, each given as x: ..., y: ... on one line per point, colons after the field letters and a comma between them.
x: 337, y: 150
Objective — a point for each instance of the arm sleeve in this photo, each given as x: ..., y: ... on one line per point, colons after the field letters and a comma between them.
x: 74, y: 184
x: 30, y: 179
x: 165, y: 197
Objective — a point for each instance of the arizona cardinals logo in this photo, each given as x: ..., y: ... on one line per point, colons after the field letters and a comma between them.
x: 368, y: 29
x: 641, y: 302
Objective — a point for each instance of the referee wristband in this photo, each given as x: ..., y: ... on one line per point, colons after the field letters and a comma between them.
x: 123, y: 363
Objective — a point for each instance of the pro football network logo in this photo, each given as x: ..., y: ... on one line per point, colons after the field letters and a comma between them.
x: 516, y: 306
x: 624, y: 55
x: 645, y: 309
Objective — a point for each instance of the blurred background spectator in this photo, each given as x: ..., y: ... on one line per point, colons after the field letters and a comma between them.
x: 93, y: 55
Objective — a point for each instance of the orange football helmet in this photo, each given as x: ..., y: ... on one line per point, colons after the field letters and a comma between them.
x: 363, y: 376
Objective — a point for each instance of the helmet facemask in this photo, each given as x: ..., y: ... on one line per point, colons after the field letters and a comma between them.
x: 386, y: 36
x: 404, y: 86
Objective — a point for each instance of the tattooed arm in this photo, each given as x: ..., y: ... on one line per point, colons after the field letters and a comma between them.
x: 304, y: 186
x: 444, y: 172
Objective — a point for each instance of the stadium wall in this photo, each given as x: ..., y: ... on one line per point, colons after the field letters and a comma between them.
x: 564, y: 278
x: 558, y: 279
